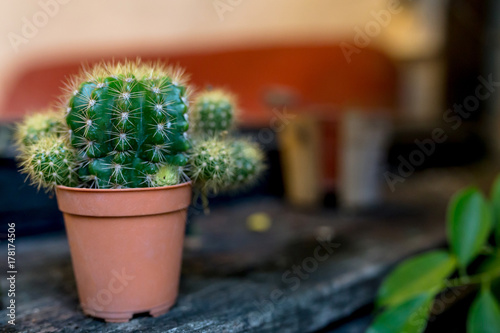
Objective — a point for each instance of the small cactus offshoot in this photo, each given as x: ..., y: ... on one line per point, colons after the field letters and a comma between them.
x: 49, y: 162
x: 37, y: 126
x: 247, y: 160
x: 225, y: 164
x: 210, y: 164
x: 166, y: 176
x: 213, y: 112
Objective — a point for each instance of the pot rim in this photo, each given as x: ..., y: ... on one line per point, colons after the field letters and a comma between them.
x: 135, y: 189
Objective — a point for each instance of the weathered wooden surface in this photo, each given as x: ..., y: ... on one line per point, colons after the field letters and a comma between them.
x: 228, y: 282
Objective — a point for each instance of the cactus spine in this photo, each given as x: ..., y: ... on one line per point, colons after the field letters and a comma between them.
x: 127, y: 121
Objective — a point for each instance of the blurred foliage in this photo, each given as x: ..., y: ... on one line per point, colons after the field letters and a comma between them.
x: 405, y: 298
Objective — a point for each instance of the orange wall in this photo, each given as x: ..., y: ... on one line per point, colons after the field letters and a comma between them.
x: 79, y: 29
x: 96, y: 28
x: 316, y: 75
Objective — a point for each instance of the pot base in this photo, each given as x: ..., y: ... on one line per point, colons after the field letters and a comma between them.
x: 123, y: 317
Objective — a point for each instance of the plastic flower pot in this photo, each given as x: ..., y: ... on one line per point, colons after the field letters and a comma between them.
x: 126, y: 247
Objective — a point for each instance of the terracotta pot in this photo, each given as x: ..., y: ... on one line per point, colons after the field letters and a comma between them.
x: 126, y: 247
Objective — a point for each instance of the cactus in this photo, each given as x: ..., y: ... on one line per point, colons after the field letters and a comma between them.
x: 167, y: 175
x: 209, y: 165
x: 127, y: 121
x: 126, y: 126
x: 225, y: 164
x: 213, y: 112
x: 218, y: 163
x: 37, y: 126
x: 49, y: 162
x: 247, y: 164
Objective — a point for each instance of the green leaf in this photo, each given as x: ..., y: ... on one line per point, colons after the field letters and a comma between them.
x: 422, y: 273
x: 490, y: 266
x: 469, y: 224
x: 408, y: 317
x: 495, y: 198
x: 484, y: 314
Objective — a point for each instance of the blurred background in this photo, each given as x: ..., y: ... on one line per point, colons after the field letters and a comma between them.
x: 368, y: 110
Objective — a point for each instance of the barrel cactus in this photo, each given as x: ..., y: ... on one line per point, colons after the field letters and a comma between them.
x: 126, y: 125
x: 126, y: 121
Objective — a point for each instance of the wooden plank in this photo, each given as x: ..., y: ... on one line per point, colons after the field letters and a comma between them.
x: 238, y: 280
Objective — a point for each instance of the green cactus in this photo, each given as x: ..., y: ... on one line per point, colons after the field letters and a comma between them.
x: 247, y: 161
x: 167, y: 175
x: 209, y: 165
x: 213, y: 112
x: 49, y: 162
x: 218, y: 164
x: 127, y: 121
x: 126, y: 126
x: 37, y: 126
